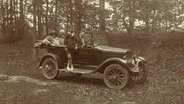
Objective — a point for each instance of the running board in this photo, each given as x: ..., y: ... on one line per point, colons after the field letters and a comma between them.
x: 85, y: 67
x: 77, y: 70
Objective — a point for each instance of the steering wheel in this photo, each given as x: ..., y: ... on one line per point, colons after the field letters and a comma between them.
x: 89, y: 43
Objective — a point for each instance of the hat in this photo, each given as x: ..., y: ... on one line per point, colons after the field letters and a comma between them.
x: 53, y: 32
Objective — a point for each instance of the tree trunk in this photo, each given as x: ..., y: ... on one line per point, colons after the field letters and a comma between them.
x: 11, y: 12
x: 39, y: 11
x: 154, y: 21
x: 102, y: 16
x: 147, y: 22
x: 3, y: 14
x: 55, y: 19
x: 147, y: 26
x: 126, y: 26
x: 14, y: 14
x: 115, y: 22
x: 70, y: 14
x: 78, y: 14
x: 7, y: 15
x: 35, y: 52
x: 46, y: 17
x: 166, y: 25
x: 131, y: 26
x: 21, y: 18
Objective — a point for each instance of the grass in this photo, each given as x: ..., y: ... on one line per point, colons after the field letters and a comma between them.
x: 165, y: 83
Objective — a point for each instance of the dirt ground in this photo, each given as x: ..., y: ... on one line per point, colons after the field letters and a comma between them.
x: 21, y: 82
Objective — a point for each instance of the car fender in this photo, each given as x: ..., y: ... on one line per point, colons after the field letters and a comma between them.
x: 51, y: 55
x: 109, y: 61
x: 141, y: 59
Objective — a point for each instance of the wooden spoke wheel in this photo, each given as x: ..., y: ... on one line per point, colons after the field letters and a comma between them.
x: 141, y: 76
x: 50, y: 68
x: 116, y: 76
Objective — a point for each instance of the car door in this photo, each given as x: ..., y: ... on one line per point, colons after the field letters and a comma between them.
x: 84, y: 55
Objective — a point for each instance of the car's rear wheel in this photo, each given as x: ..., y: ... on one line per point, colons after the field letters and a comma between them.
x: 116, y: 76
x: 141, y: 76
x: 50, y: 68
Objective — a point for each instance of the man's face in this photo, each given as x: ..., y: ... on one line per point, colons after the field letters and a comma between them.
x: 54, y: 35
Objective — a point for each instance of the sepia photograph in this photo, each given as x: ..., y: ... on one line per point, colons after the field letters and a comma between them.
x: 91, y: 51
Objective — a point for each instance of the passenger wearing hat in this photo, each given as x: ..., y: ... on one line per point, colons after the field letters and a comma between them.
x: 61, y: 38
x: 52, y: 39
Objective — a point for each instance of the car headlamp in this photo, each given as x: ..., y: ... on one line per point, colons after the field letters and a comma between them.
x: 128, y: 56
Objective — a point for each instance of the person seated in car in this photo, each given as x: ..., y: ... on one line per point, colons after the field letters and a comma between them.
x: 71, y: 44
x: 80, y: 40
x: 61, y: 38
x: 52, y: 39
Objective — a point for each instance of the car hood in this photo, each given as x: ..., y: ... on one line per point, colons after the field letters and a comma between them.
x: 111, y: 49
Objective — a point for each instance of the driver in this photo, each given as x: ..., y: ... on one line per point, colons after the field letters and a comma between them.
x: 80, y: 41
x: 71, y: 44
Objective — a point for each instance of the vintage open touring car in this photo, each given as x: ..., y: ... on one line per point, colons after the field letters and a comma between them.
x: 118, y: 66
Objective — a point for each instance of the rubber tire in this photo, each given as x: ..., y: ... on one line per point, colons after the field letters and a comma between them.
x: 122, y: 70
x: 143, y: 79
x: 54, y: 62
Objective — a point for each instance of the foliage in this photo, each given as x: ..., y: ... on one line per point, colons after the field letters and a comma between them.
x: 147, y: 16
x: 132, y: 16
x: 165, y: 80
x: 12, y: 19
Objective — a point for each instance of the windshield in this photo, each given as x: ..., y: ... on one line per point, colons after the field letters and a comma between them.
x: 95, y: 38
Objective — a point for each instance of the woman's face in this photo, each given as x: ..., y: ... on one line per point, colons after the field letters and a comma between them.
x: 62, y: 36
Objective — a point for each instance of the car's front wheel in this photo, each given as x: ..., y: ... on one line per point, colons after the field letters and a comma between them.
x: 141, y: 76
x: 116, y: 76
x: 50, y: 68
